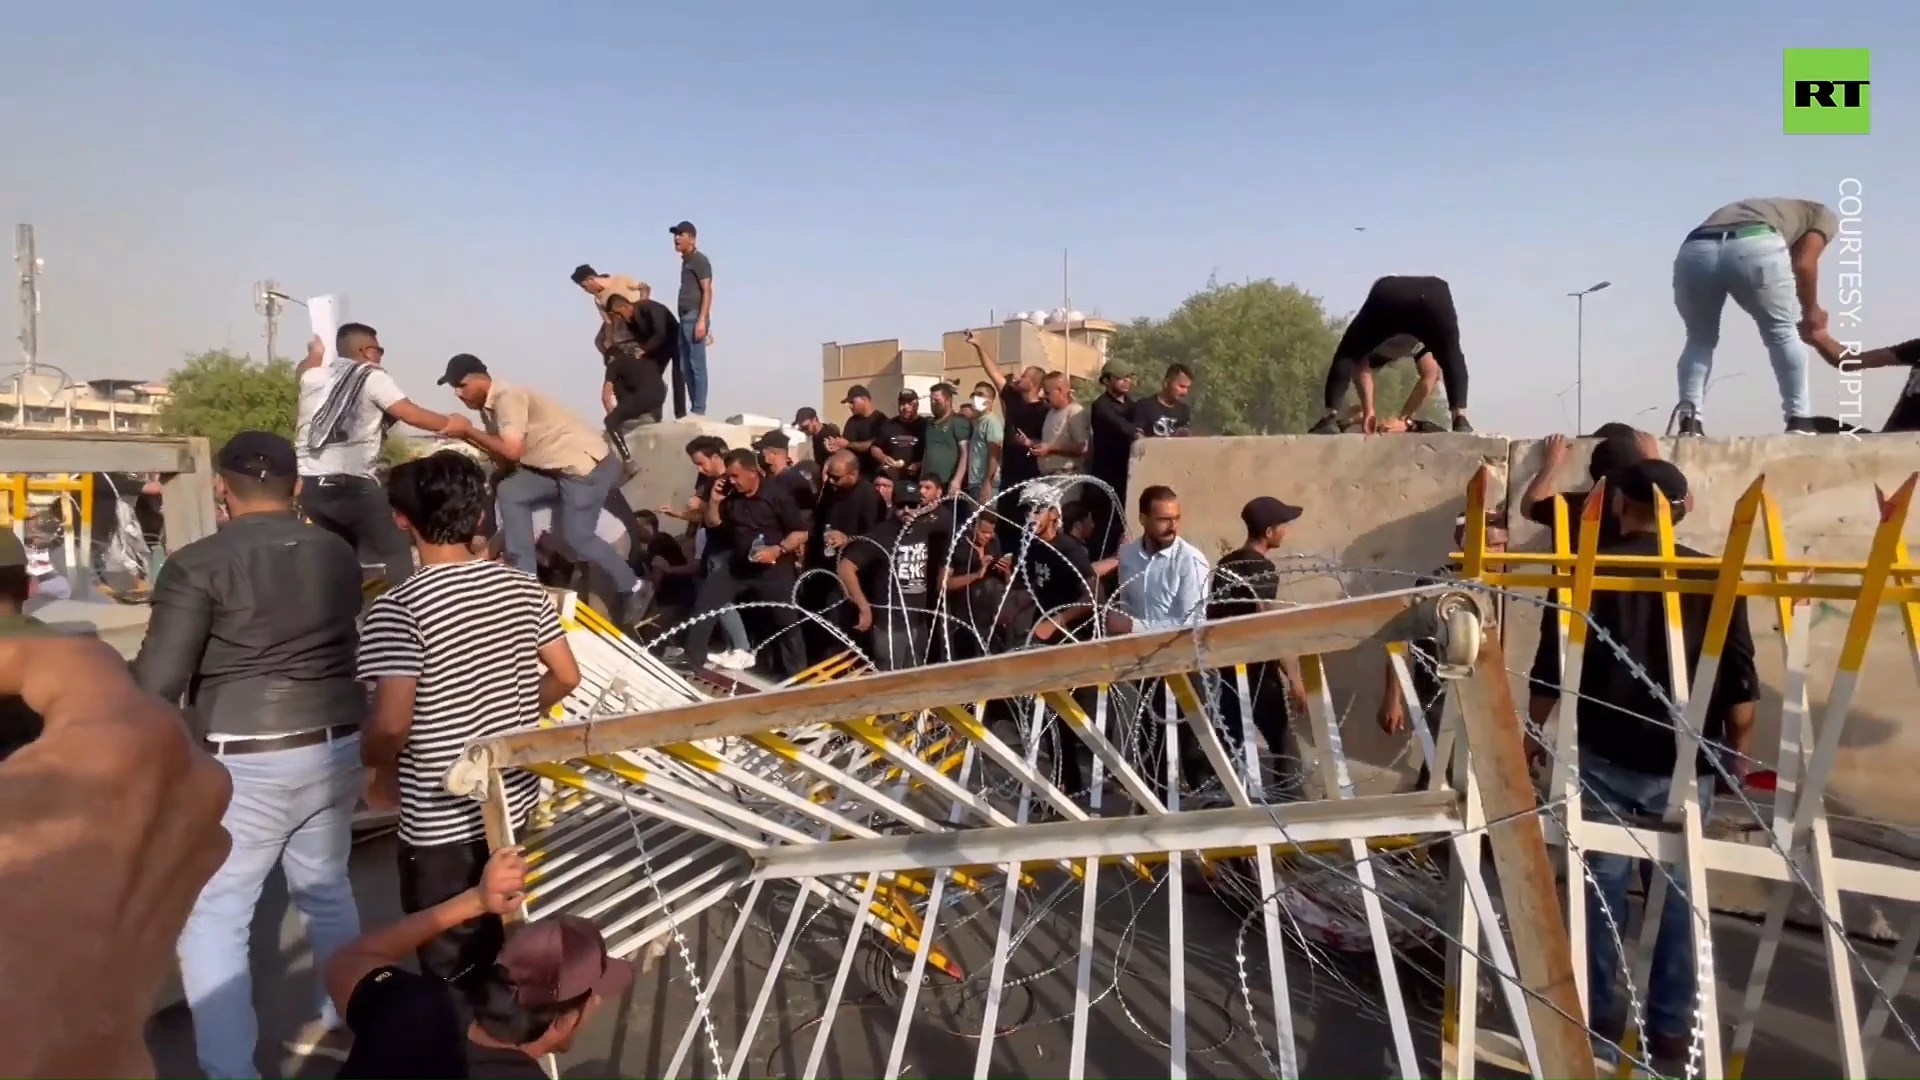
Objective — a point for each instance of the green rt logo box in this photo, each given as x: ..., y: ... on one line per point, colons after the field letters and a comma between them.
x: 1826, y: 91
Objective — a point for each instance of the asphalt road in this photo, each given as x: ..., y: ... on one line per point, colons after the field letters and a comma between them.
x: 1340, y: 1028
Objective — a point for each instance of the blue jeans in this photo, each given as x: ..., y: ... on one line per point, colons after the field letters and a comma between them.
x: 1607, y: 790
x: 692, y: 364
x: 294, y: 808
x: 1757, y: 272
x: 730, y: 623
x: 576, y: 502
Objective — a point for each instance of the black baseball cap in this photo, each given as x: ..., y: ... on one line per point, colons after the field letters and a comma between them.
x: 684, y: 227
x: 258, y: 454
x: 1264, y: 512
x: 772, y: 440
x: 856, y: 392
x: 803, y: 414
x: 460, y: 366
x: 909, y: 394
x: 1637, y: 482
x: 583, y: 272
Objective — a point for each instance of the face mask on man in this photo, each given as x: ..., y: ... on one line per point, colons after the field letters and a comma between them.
x: 980, y: 402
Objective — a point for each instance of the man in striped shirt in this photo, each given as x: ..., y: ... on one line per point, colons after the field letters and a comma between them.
x: 463, y: 649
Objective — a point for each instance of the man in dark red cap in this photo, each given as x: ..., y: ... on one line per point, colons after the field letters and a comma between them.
x: 549, y: 977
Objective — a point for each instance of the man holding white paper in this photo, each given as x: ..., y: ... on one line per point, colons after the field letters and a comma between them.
x: 347, y: 404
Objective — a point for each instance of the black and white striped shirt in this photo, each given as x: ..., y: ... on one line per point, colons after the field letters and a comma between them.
x: 467, y: 634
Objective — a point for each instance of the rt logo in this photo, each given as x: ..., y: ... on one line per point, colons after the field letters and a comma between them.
x: 1826, y: 92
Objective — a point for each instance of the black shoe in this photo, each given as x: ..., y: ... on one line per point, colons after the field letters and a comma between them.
x: 1461, y: 427
x: 1686, y: 422
x: 1427, y: 427
x: 1328, y: 425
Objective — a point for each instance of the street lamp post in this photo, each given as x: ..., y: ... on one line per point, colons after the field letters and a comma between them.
x: 1579, y: 354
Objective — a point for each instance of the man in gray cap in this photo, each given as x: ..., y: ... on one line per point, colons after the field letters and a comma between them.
x: 256, y: 627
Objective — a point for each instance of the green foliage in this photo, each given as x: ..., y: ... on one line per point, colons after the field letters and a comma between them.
x: 217, y: 394
x: 1259, y: 353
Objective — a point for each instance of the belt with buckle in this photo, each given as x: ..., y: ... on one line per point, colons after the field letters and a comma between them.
x: 1736, y: 232
x: 295, y: 741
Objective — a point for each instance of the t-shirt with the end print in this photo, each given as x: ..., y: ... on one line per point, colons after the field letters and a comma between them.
x: 899, y: 562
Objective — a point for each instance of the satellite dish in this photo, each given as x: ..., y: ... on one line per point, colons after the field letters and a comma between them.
x: 1039, y: 318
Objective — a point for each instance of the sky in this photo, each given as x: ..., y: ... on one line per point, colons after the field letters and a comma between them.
x: 864, y: 170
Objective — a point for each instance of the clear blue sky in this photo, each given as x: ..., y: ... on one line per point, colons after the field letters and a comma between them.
x: 865, y: 170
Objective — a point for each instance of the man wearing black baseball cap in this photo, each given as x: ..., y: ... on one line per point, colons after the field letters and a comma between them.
x: 1245, y: 581
x: 549, y: 977
x: 825, y: 437
x: 255, y: 628
x: 1628, y: 750
x: 861, y: 430
x: 696, y: 313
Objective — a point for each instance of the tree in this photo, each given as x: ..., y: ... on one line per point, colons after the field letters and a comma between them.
x: 218, y: 394
x: 1259, y: 353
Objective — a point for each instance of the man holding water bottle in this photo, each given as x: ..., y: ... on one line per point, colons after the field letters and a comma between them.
x: 766, y: 533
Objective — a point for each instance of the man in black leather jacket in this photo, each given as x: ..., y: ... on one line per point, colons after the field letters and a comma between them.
x: 254, y: 629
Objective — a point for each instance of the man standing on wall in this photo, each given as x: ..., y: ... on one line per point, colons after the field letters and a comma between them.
x: 1402, y: 318
x: 1765, y: 253
x: 696, y: 313
x: 344, y: 411
x: 860, y: 433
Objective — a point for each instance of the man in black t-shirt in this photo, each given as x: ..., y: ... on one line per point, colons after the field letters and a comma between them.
x: 549, y: 977
x: 859, y: 432
x: 1244, y: 582
x: 1112, y: 429
x: 896, y: 565
x: 849, y: 507
x: 1905, y: 415
x: 1024, y: 410
x: 976, y: 585
x: 766, y: 533
x: 1402, y: 318
x: 1167, y: 415
x: 781, y: 472
x: 900, y: 442
x: 825, y: 437
x: 1057, y: 574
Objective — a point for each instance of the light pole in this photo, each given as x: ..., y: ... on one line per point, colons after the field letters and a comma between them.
x: 1579, y: 354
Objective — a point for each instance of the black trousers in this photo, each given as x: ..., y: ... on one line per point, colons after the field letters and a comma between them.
x: 1420, y: 306
x: 772, y: 585
x: 901, y: 639
x: 436, y: 873
x: 355, y: 509
x: 638, y: 390
x: 1267, y: 712
x: 1110, y: 520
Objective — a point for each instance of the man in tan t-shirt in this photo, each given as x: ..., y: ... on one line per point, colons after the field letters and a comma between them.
x: 603, y: 287
x: 1064, y: 433
x: 557, y: 461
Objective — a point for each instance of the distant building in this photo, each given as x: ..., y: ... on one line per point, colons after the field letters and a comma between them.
x: 45, y: 402
x: 1075, y: 346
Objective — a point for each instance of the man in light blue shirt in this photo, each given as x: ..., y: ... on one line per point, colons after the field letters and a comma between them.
x: 1163, y: 579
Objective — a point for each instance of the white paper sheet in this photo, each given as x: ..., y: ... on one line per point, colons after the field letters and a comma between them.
x: 326, y: 313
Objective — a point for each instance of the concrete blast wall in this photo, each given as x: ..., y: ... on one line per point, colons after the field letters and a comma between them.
x: 1383, y: 508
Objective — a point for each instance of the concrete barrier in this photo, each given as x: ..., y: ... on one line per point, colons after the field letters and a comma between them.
x: 660, y: 473
x: 1384, y: 508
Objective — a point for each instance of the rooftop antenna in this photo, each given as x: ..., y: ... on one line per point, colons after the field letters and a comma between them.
x: 30, y: 268
x: 268, y: 300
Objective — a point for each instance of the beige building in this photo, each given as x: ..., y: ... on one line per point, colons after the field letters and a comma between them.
x: 1078, y: 348
x: 46, y: 402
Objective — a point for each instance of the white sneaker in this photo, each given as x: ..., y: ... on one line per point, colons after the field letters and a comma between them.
x: 737, y: 660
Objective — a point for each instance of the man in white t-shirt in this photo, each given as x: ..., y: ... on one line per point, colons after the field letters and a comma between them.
x: 346, y: 407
